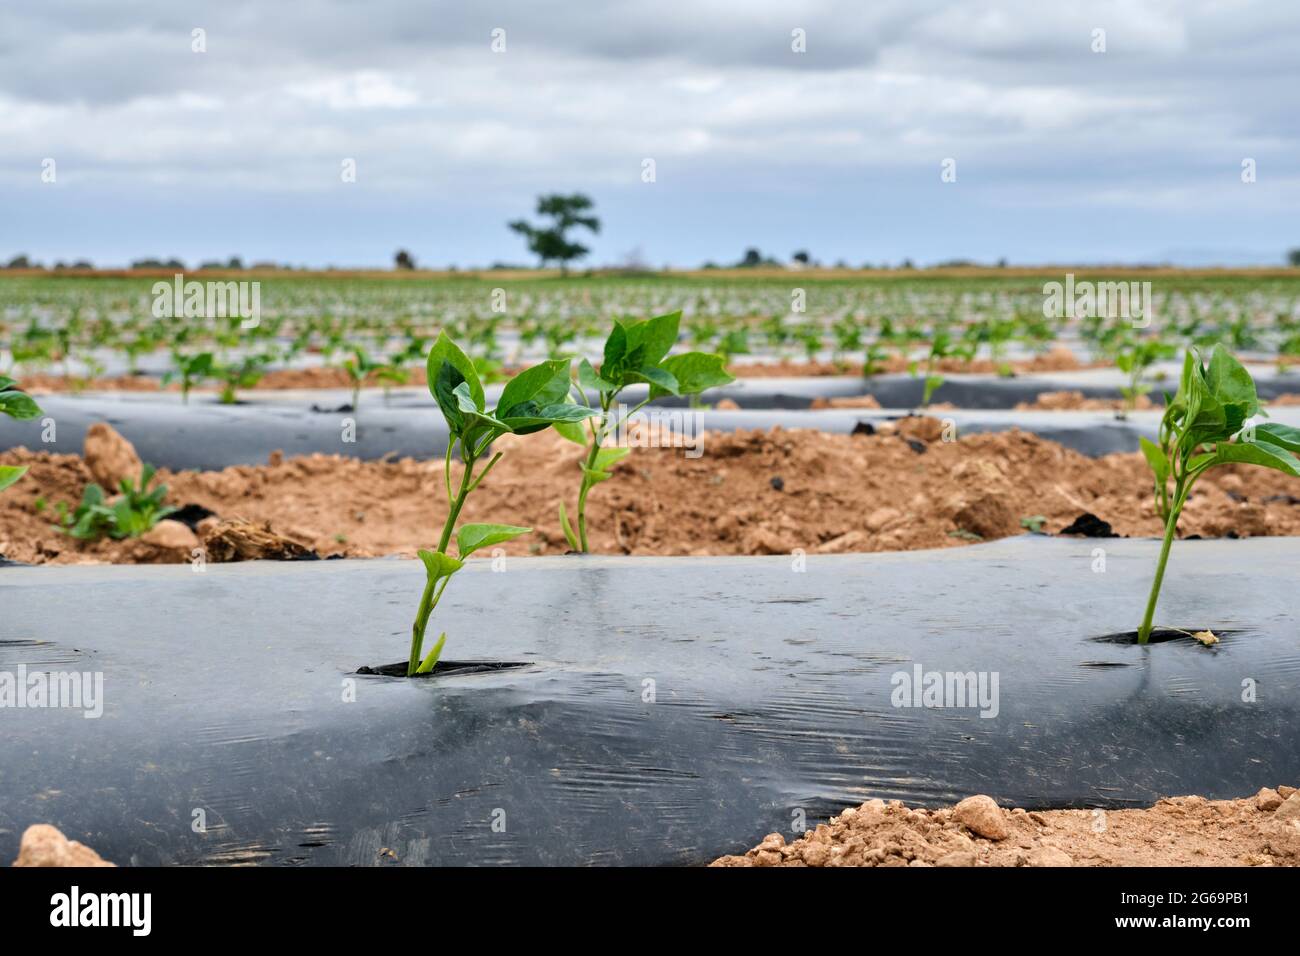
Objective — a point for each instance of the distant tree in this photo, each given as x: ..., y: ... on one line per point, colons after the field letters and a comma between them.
x: 235, y: 264
x: 801, y: 257
x: 20, y: 262
x: 751, y: 259
x: 403, y: 260
x: 1293, y: 257
x: 550, y: 243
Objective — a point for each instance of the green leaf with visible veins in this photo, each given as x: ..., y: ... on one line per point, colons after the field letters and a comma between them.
x: 527, y: 420
x: 543, y: 384
x: 445, y: 350
x: 471, y: 537
x: 655, y: 336
x: 1284, y: 436
x: 1229, y: 381
x: 1257, y: 453
x: 695, y: 372
x: 659, y: 379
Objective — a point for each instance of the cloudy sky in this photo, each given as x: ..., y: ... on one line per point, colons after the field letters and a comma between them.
x: 1062, y: 153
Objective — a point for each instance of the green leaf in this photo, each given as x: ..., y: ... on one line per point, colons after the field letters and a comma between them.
x: 590, y: 380
x: 1258, y: 453
x: 544, y: 384
x: 610, y: 456
x: 471, y: 537
x: 615, y: 347
x: 428, y: 663
x: 438, y: 565
x: 6, y: 383
x: 1229, y: 381
x: 9, y: 474
x: 573, y: 431
x: 595, y: 477
x: 695, y: 372
x: 445, y: 350
x: 655, y: 337
x: 527, y: 420
x: 568, y: 530
x: 1283, y: 436
x: 1155, y: 457
x: 18, y: 405
x: 443, y: 386
x: 659, y: 379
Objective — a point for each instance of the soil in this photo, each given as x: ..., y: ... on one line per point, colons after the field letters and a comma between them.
x: 1263, y: 830
x: 1075, y: 401
x: 1057, y: 360
x: 751, y: 492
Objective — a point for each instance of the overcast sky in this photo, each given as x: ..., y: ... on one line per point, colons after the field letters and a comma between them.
x: 1062, y: 154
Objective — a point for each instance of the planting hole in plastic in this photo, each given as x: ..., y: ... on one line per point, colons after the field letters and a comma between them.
x: 1159, y: 635
x: 444, y: 668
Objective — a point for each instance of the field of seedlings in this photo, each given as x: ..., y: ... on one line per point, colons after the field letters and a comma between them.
x: 661, y: 568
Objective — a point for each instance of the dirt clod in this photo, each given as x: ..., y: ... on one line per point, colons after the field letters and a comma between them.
x: 982, y: 816
x: 239, y: 540
x: 109, y: 457
x: 44, y: 845
x: 1180, y: 831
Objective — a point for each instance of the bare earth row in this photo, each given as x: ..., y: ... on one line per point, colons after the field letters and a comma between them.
x: 751, y: 492
x: 1263, y: 830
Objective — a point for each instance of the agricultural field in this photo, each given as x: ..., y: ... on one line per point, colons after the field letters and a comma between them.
x: 777, y: 452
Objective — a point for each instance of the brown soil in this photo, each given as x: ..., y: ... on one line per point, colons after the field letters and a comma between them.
x: 1075, y: 401
x: 1181, y: 831
x: 752, y: 492
x: 1057, y: 360
x: 274, y: 380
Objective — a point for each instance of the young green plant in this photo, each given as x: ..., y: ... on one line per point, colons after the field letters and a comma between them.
x: 635, y: 353
x: 136, y: 510
x: 532, y: 401
x: 1204, y: 426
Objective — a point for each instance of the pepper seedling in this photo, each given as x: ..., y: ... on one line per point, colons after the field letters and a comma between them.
x: 533, y: 400
x: 19, y: 405
x: 360, y: 366
x: 1204, y: 426
x: 635, y: 353
x: 190, y: 370
x: 136, y: 510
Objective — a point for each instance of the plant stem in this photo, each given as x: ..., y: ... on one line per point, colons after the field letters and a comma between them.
x: 1182, y: 488
x: 428, y: 600
x: 597, y: 434
x: 458, y: 503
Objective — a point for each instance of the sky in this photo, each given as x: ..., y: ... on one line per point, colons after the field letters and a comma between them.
x: 1070, y: 131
